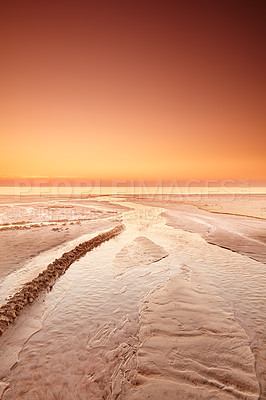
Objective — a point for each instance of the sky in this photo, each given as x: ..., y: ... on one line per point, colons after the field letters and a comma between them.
x: 133, y: 89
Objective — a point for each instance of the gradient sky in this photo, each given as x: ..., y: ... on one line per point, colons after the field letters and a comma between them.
x: 133, y: 89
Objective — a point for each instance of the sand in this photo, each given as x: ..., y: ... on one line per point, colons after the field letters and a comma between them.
x: 18, y: 247
x: 30, y: 226
x: 190, y: 346
x: 141, y: 251
x: 46, y: 279
x: 190, y: 343
x: 241, y: 233
x: 253, y: 205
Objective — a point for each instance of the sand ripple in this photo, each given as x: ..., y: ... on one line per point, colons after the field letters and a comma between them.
x: 191, y: 347
x: 46, y: 279
x: 141, y: 251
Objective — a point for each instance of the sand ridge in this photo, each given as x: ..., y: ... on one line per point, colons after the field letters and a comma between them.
x: 141, y: 251
x: 46, y: 279
x: 190, y: 346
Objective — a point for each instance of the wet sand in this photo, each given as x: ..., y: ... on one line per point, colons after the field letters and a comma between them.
x: 191, y: 346
x: 31, y: 227
x: 18, y: 247
x: 243, y: 235
x: 240, y: 233
x: 157, y: 312
x: 46, y: 279
x: 253, y: 205
x: 237, y: 204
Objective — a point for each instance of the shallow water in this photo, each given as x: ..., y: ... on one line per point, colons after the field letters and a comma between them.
x: 88, y: 334
x: 242, y: 234
x: 14, y: 281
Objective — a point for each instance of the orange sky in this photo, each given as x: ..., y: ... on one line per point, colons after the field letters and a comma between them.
x: 135, y: 90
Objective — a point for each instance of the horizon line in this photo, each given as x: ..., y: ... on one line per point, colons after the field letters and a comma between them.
x: 122, y: 182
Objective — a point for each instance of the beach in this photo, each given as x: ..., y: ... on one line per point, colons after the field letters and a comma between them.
x: 171, y: 307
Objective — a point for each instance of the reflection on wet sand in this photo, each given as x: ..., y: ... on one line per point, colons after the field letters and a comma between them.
x: 46, y: 279
x: 139, y: 313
